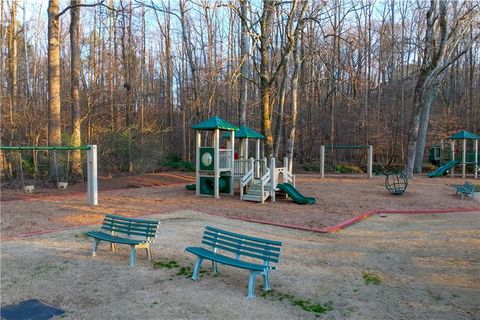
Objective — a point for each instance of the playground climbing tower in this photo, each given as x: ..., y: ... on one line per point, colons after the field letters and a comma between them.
x: 214, y: 165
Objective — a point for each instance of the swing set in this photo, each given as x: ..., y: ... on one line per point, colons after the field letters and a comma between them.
x: 347, y: 147
x: 92, y: 176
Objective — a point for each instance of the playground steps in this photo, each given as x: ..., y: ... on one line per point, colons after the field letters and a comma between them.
x: 254, y: 193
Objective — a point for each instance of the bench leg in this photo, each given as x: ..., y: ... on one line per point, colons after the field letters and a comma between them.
x: 196, y: 269
x: 95, y: 246
x: 149, y: 254
x: 112, y: 246
x: 214, y: 267
x: 133, y: 255
x: 266, y: 282
x: 251, y: 284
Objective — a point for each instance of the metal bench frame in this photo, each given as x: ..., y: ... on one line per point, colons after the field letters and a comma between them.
x: 137, y: 233
x: 267, y: 251
x: 467, y: 189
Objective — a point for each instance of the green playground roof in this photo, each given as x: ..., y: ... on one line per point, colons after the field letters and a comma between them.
x: 215, y: 123
x: 245, y: 133
x: 464, y: 135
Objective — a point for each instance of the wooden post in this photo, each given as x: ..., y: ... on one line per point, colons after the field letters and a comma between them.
x: 286, y: 168
x: 257, y: 150
x: 246, y: 149
x: 216, y: 156
x: 370, y: 161
x: 464, y: 157
x: 453, y: 158
x: 198, y: 143
x: 92, y: 176
x: 232, y: 161
x: 322, y: 161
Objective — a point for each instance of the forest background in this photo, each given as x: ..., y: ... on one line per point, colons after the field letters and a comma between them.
x: 132, y: 76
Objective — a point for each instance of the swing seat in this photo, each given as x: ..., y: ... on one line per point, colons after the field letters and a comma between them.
x: 28, y: 189
x: 62, y: 185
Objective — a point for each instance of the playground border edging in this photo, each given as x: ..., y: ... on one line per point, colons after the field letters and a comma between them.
x: 331, y: 229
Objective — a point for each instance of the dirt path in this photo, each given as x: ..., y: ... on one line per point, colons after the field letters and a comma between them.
x: 426, y: 267
x: 339, y: 198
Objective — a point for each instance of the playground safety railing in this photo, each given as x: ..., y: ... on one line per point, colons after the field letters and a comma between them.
x: 225, y: 159
x: 241, y: 167
x: 246, y: 179
x: 263, y: 181
x: 261, y: 168
x: 287, y: 176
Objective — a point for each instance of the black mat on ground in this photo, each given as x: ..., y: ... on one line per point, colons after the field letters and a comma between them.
x: 29, y: 310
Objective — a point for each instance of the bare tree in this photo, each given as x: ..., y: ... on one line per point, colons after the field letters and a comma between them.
x: 75, y: 66
x: 54, y: 119
x: 440, y: 44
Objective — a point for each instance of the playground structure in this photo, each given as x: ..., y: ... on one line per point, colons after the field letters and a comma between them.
x: 92, y: 174
x: 217, y: 170
x: 214, y: 166
x: 369, y: 157
x: 396, y: 183
x: 445, y: 157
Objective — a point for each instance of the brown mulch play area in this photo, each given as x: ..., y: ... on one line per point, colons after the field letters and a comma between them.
x: 339, y: 198
x: 389, y: 266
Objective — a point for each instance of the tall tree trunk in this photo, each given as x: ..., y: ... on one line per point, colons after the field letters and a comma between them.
x: 429, y: 96
x: 293, y: 117
x: 54, y: 120
x: 280, y: 112
x: 169, y: 67
x: 266, y: 83
x: 439, y: 52
x: 12, y: 63
x: 244, y: 48
x: 75, y: 66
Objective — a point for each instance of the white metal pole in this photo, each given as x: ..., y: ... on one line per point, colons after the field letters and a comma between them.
x: 198, y: 143
x: 216, y: 153
x: 257, y: 150
x: 370, y: 161
x: 273, y: 179
x: 477, y: 161
x: 232, y: 163
x: 322, y: 161
x: 242, y: 149
x: 92, y: 176
x: 245, y: 151
x: 453, y: 158
x: 464, y: 157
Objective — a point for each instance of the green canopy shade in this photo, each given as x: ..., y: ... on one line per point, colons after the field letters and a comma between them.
x: 245, y: 133
x: 464, y: 135
x: 215, y: 123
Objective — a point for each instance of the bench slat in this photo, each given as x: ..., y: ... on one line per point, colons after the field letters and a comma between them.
x: 207, y: 254
x: 110, y: 238
x: 129, y: 225
x: 153, y: 222
x: 248, y: 254
x: 133, y: 229
x: 242, y: 241
x: 129, y: 232
x: 272, y: 242
x: 239, y: 248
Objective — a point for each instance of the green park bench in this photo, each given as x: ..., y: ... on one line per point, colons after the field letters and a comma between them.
x: 136, y: 233
x: 224, y: 243
x: 467, y: 189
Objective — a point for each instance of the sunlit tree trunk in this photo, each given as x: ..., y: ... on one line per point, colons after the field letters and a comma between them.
x: 244, y: 66
x: 12, y: 63
x: 75, y: 69
x: 54, y: 120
